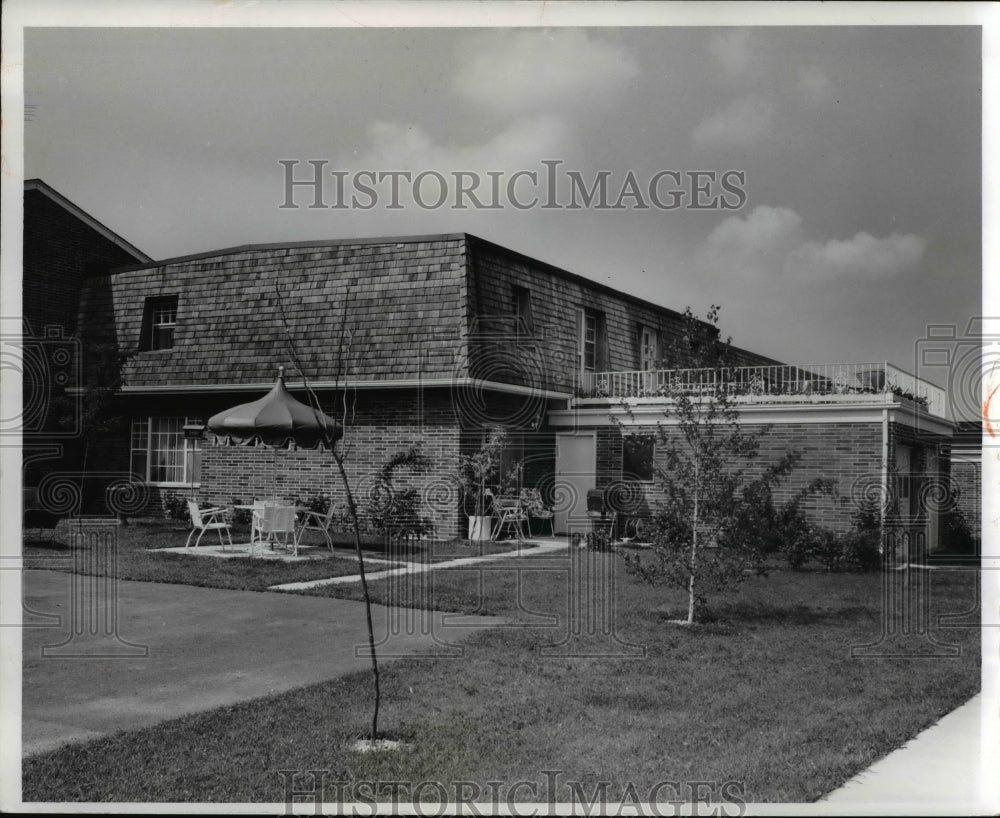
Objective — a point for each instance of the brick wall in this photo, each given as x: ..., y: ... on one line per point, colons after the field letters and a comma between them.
x: 443, y: 422
x: 966, y: 477
x: 848, y: 453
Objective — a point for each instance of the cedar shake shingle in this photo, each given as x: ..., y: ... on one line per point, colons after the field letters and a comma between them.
x: 401, y: 311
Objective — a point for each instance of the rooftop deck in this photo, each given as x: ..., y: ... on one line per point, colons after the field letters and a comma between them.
x: 807, y: 383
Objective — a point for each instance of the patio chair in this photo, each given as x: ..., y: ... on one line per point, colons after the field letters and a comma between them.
x: 208, y: 519
x: 531, y: 502
x: 600, y: 512
x: 271, y: 521
x: 509, y: 513
x: 316, y: 521
x: 546, y: 514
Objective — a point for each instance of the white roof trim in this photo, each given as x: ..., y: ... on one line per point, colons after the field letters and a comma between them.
x: 403, y: 383
x: 86, y: 218
x: 651, y: 413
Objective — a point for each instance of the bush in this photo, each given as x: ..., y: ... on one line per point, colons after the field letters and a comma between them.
x: 175, y: 507
x: 857, y: 550
x: 958, y: 536
x: 241, y: 516
x: 399, y: 511
x: 600, y: 540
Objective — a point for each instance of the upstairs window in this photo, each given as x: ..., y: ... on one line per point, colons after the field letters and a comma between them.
x: 589, y: 342
x: 592, y: 342
x: 524, y: 323
x: 649, y: 342
x: 159, y: 323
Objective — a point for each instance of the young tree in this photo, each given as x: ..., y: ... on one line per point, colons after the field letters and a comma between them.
x: 477, y: 471
x: 339, y: 454
x: 709, y: 490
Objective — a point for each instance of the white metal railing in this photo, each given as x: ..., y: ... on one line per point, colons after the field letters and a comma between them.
x: 812, y: 383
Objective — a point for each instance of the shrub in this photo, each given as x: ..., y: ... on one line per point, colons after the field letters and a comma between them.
x: 392, y: 509
x: 600, y: 540
x: 241, y: 516
x: 958, y: 536
x: 175, y: 507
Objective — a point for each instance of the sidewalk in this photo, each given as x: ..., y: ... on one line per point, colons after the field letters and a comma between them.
x: 939, y: 772
x: 537, y: 546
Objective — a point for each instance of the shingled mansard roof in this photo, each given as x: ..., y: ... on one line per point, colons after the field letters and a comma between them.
x: 404, y: 301
x: 408, y: 303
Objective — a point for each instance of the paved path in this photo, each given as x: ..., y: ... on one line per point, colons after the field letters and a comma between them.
x: 193, y: 649
x: 531, y: 550
x: 941, y: 771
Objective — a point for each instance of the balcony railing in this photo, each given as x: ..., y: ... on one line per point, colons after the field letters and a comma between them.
x: 807, y: 383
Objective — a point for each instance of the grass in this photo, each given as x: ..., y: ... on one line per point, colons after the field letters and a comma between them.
x: 139, y: 544
x: 765, y: 695
x: 139, y: 557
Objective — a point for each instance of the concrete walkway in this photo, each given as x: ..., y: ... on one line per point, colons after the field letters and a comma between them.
x: 102, y: 656
x: 945, y: 770
x: 533, y: 548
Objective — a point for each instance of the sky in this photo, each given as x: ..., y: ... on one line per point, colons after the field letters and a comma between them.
x: 854, y: 226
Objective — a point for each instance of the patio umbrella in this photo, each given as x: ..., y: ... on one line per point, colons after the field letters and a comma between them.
x: 275, y: 420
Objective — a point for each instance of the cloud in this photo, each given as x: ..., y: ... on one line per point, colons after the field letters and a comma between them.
x: 398, y: 146
x: 745, y: 121
x: 731, y: 50
x: 768, y: 244
x: 410, y: 148
x: 864, y: 255
x: 528, y: 71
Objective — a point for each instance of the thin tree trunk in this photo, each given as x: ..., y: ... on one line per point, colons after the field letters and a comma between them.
x: 353, y: 510
x: 352, y: 507
x: 694, y: 549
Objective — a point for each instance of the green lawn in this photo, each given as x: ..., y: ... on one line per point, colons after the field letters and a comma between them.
x: 765, y: 695
x: 139, y: 557
x: 140, y: 545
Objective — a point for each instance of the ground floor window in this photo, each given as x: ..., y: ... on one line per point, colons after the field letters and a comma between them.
x: 638, y: 453
x: 160, y: 452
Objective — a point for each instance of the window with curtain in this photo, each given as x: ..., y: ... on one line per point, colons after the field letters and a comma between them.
x: 160, y: 452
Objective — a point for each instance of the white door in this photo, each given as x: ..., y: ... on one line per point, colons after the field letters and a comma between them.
x: 576, y: 474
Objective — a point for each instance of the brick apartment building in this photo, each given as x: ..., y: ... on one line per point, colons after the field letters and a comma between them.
x: 438, y: 339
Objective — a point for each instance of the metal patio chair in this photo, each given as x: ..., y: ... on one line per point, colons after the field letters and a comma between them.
x: 600, y: 512
x: 316, y: 521
x: 272, y: 522
x: 509, y: 513
x: 208, y: 519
